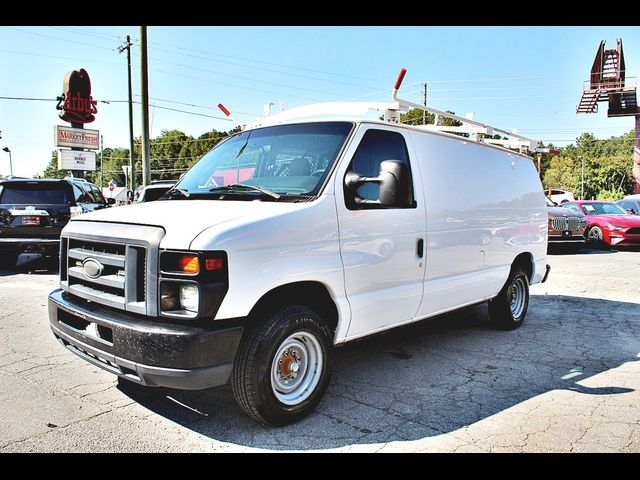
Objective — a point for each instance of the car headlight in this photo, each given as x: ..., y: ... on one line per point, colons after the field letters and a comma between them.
x: 615, y: 228
x: 179, y: 299
x: 189, y: 297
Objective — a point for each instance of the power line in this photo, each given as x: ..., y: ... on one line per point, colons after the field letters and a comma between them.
x: 58, y: 38
x: 79, y: 31
x: 263, y: 69
x: 264, y: 63
x: 58, y: 57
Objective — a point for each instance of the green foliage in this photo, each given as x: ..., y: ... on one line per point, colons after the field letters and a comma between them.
x: 610, y: 195
x: 607, y: 167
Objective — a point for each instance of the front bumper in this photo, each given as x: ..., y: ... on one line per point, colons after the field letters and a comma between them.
x: 144, y: 351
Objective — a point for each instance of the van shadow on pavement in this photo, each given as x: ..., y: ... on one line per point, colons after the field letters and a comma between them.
x: 431, y: 377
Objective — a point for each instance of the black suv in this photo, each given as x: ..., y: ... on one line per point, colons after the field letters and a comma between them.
x: 34, y: 211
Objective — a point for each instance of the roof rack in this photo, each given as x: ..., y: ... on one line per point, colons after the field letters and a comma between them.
x: 477, y: 131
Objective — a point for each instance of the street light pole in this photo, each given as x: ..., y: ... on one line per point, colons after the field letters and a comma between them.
x: 6, y: 149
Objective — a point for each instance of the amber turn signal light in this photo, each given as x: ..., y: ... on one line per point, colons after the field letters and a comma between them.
x: 188, y: 263
x: 213, y: 264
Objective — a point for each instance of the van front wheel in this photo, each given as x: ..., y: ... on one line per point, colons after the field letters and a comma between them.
x: 283, y: 366
x: 509, y: 308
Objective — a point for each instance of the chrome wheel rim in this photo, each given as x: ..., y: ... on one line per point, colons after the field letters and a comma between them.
x: 518, y: 297
x: 595, y: 234
x: 296, y: 368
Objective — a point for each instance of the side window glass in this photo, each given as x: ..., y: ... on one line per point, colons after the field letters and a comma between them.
x: 78, y: 194
x: 375, y: 147
x: 97, y: 195
x: 86, y: 197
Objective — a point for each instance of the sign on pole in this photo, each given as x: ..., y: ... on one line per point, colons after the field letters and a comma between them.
x: 76, y: 160
x: 76, y: 137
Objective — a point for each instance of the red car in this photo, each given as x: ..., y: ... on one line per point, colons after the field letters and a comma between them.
x: 608, y: 222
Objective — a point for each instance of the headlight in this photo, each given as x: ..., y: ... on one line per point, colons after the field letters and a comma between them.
x: 189, y: 297
x: 179, y: 299
x: 615, y: 228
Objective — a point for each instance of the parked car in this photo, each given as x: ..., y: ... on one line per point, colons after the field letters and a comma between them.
x: 154, y: 191
x: 608, y: 223
x: 566, y: 226
x: 290, y: 238
x: 631, y: 205
x: 560, y: 196
x: 34, y: 211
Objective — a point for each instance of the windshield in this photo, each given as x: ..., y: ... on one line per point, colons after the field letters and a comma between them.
x: 34, y: 193
x: 603, y: 209
x: 289, y: 160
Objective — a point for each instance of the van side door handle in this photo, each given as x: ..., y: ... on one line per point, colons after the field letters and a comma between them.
x: 420, y: 247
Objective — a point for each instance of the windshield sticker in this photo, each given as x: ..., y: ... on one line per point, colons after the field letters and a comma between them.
x: 588, y: 208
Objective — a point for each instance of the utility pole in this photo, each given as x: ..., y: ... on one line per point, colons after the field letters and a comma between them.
x: 582, y: 184
x: 101, y: 162
x: 146, y: 173
x: 122, y: 48
x: 424, y: 112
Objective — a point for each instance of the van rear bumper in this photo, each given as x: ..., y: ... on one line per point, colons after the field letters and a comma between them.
x: 147, y: 352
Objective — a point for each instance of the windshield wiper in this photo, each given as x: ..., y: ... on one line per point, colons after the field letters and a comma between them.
x: 176, y: 192
x: 234, y: 186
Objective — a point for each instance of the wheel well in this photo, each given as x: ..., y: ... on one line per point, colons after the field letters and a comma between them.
x: 524, y: 260
x: 311, y: 294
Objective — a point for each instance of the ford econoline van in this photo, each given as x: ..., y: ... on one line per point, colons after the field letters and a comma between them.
x: 290, y: 238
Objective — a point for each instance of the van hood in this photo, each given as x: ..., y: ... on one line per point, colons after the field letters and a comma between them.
x: 183, y: 220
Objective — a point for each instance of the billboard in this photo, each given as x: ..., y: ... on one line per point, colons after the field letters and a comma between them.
x: 76, y: 137
x: 76, y: 160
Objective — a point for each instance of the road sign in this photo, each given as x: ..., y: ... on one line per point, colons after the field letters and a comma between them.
x: 539, y: 156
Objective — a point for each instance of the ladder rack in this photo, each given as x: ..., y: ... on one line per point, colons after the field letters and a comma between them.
x: 477, y: 131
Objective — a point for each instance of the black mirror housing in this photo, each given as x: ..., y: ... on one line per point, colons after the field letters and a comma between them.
x: 111, y: 201
x: 394, y: 182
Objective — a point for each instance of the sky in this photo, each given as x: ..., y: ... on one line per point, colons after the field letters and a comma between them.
x: 530, y: 78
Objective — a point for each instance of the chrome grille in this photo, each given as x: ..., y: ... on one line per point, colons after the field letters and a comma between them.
x: 565, y: 223
x: 125, y: 268
x: 117, y: 285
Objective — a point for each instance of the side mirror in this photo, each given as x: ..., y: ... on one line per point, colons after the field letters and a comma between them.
x: 393, y: 180
x: 111, y: 201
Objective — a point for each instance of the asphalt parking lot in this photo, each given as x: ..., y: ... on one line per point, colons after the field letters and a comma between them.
x: 567, y: 381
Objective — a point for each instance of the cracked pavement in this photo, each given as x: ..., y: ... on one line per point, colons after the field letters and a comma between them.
x: 567, y: 381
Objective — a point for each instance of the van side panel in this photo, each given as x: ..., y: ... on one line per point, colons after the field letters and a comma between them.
x: 484, y: 207
x: 296, y: 246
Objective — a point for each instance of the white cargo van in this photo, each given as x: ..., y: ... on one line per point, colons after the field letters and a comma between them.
x: 294, y: 236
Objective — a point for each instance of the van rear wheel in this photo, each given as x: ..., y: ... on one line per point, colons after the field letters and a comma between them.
x: 508, y: 309
x: 283, y: 366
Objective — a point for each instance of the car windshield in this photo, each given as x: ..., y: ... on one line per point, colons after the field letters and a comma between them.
x: 272, y: 162
x: 34, y: 193
x: 155, y: 193
x: 603, y: 209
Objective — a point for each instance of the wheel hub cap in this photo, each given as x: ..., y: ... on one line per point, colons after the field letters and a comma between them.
x: 296, y: 368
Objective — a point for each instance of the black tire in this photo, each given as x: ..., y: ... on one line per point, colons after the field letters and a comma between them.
x: 251, y: 379
x: 501, y: 313
x: 596, y: 237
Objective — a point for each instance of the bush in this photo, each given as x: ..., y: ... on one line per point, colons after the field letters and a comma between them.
x: 610, y: 195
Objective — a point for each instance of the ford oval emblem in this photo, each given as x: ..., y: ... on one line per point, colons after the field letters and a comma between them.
x: 92, y: 268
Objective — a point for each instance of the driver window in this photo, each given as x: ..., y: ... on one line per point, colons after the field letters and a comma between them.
x: 375, y: 147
